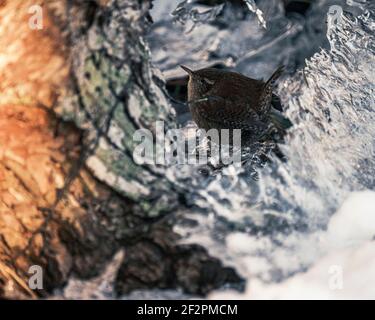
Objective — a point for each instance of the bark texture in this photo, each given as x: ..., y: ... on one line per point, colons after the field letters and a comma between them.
x: 72, y: 95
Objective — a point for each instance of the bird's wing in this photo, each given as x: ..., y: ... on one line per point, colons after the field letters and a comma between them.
x: 238, y: 87
x: 229, y: 113
x: 232, y: 103
x: 235, y: 84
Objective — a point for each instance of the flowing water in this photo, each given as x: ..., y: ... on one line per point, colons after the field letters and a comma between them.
x: 305, y: 227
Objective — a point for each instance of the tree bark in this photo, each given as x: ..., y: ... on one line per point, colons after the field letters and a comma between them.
x: 72, y: 95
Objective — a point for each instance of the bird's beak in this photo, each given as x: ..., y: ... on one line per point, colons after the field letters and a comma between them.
x: 190, y: 72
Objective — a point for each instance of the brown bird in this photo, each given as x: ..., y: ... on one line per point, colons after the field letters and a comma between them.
x: 220, y: 99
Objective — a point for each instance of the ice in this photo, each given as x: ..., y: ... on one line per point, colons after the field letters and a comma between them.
x: 346, y: 274
x: 346, y: 271
x: 190, y: 14
x: 303, y: 215
x: 208, y: 43
x: 354, y: 223
x: 253, y: 8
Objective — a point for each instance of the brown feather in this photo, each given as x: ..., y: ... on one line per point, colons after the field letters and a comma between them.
x: 228, y: 100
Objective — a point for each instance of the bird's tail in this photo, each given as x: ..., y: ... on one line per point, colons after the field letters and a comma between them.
x: 275, y: 76
x: 279, y: 120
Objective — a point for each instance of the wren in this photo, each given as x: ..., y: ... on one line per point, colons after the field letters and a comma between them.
x: 220, y: 99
